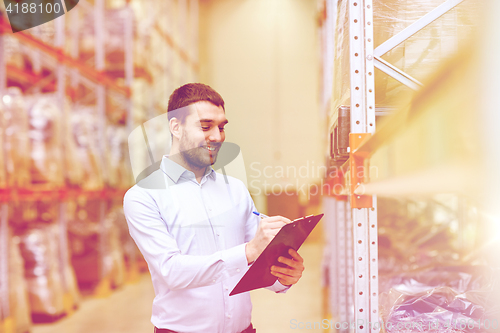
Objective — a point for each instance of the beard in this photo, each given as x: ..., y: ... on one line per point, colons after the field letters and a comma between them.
x: 198, y: 157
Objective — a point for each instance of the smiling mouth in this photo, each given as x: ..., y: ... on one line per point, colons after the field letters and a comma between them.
x: 212, y: 148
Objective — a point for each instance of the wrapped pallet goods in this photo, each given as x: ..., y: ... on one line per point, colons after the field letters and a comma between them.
x: 424, y: 283
x: 96, y: 249
x: 419, y: 56
x: 43, y: 273
x: 73, y: 168
x: 119, y: 175
x: 132, y: 255
x: 50, y: 278
x: 19, y: 304
x: 45, y: 121
x: 17, y: 142
x: 114, y: 29
x: 84, y: 123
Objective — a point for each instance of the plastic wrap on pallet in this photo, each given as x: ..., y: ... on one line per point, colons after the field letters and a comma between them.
x: 419, y: 56
x: 114, y: 27
x: 45, y: 121
x: 43, y: 274
x: 72, y: 167
x: 440, y: 309
x: 119, y: 174
x: 130, y: 250
x: 341, y: 70
x: 411, y: 238
x: 50, y: 278
x: 84, y: 123
x: 19, y: 305
x: 95, y: 246
x: 461, y: 278
x: 16, y: 138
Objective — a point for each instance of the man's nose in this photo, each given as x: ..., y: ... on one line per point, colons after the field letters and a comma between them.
x: 215, y: 135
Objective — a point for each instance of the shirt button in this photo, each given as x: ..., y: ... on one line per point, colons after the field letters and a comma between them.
x: 213, y: 281
x: 218, y: 235
x: 229, y: 316
x: 238, y: 270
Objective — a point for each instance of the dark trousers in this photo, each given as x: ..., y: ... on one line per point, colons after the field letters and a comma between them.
x: 249, y: 329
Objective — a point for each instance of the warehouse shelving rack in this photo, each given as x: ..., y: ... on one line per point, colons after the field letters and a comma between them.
x: 352, y: 254
x: 53, y: 55
x: 173, y: 62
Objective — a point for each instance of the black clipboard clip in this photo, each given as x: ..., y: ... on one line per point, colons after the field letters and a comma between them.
x: 292, y: 236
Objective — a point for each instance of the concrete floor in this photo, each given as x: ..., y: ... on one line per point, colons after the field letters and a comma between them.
x: 128, y: 310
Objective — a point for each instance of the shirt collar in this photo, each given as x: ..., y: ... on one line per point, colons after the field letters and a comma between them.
x: 175, y: 171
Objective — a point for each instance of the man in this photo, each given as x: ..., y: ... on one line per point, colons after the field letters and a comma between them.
x: 195, y: 227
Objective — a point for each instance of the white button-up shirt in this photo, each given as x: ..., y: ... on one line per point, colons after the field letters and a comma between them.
x: 193, y: 238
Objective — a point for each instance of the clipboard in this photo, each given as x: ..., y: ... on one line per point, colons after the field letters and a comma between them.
x: 291, y: 235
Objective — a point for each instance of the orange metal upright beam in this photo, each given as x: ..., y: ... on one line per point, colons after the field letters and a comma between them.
x: 358, y: 171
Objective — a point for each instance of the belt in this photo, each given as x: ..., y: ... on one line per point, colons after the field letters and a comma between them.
x: 249, y: 329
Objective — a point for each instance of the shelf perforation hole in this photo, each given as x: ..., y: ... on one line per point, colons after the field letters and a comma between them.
x: 356, y: 37
x: 356, y: 71
x: 359, y: 224
x: 360, y: 258
x: 360, y: 241
x: 355, y: 21
x: 360, y: 276
x: 355, y: 54
x: 360, y: 293
x: 360, y: 310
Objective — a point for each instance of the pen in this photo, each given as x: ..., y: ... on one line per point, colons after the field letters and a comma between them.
x: 262, y: 216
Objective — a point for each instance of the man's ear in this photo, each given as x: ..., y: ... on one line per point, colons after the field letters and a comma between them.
x: 175, y: 128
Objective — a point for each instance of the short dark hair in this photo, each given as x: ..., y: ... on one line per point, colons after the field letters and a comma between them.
x: 188, y: 94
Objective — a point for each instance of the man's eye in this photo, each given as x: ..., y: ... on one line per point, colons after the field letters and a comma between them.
x: 221, y: 129
x: 205, y: 128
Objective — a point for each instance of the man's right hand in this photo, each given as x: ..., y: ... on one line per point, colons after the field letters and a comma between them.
x: 268, y: 228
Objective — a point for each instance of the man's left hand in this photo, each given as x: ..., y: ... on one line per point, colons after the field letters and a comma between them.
x: 291, y: 274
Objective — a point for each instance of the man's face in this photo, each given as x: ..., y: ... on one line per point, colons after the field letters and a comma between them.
x: 202, y: 134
